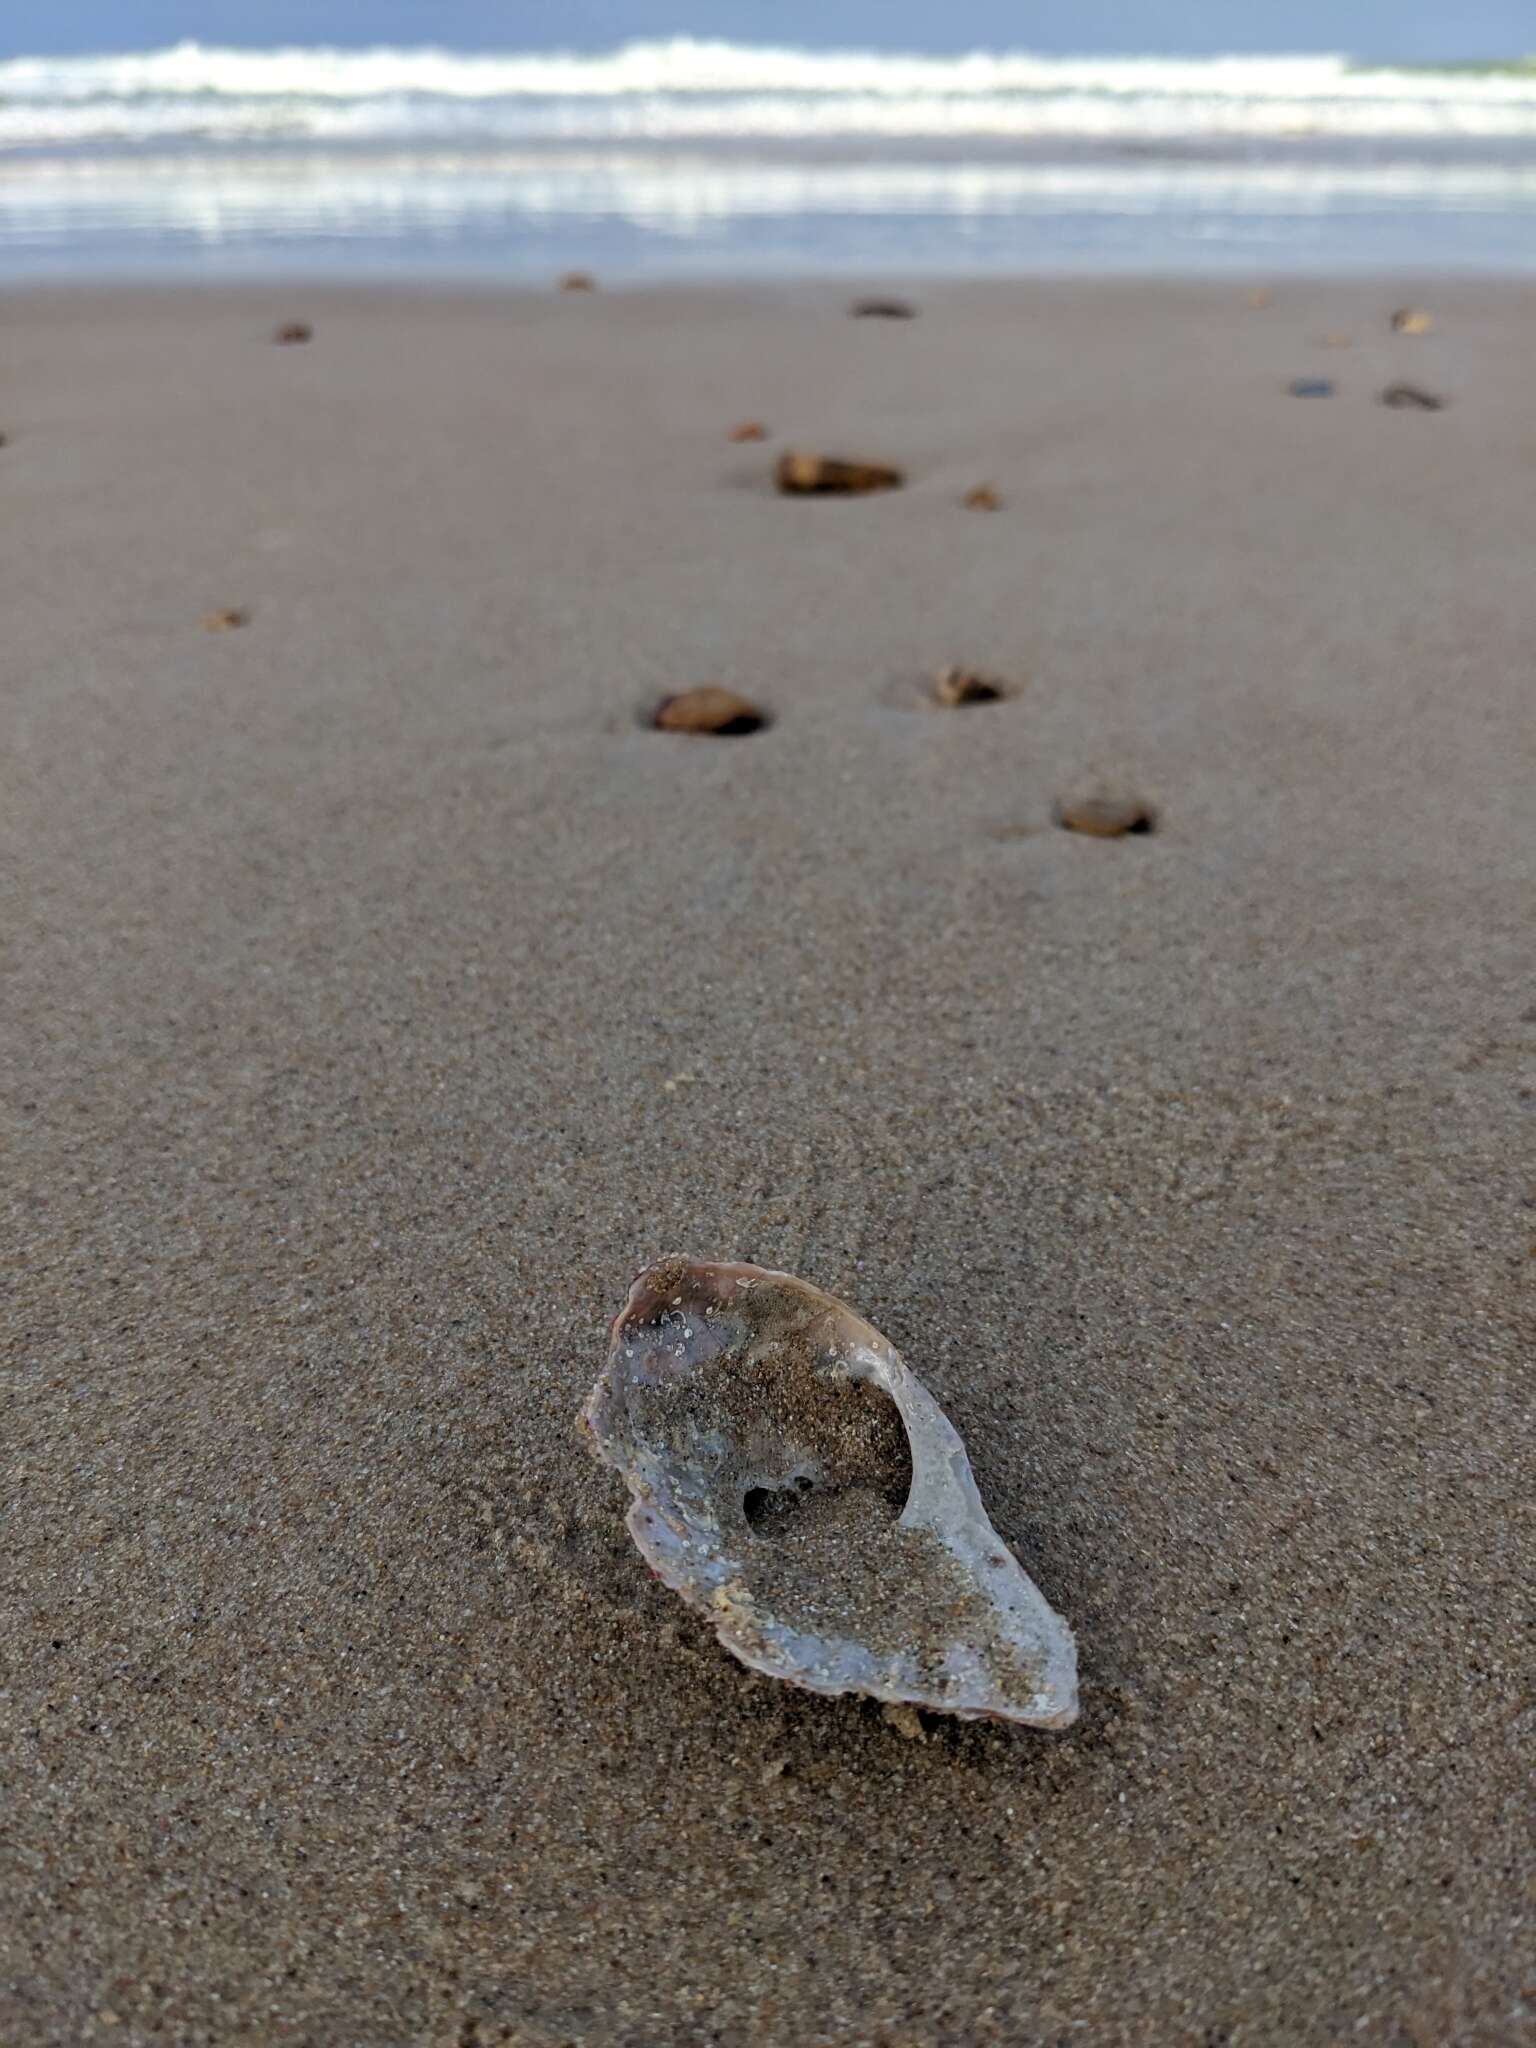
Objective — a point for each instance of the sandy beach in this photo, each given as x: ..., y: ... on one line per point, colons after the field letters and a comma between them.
x: 381, y: 994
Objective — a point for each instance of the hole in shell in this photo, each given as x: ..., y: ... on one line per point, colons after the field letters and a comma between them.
x: 860, y: 1484
x: 766, y: 1507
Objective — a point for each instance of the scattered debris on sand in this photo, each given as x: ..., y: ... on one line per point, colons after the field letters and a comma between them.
x: 1106, y: 817
x: 1412, y: 398
x: 709, y: 709
x: 802, y: 475
x: 956, y: 686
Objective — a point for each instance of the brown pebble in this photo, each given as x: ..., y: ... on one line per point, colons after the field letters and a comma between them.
x: 799, y: 474
x: 293, y: 331
x: 983, y: 499
x: 226, y: 621
x: 882, y: 309
x: 953, y: 686
x: 749, y: 430
x: 1106, y: 817
x: 1406, y: 397
x: 578, y: 281
x: 1411, y: 320
x: 709, y: 709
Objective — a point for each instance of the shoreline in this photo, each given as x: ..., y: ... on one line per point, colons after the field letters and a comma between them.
x: 1310, y: 294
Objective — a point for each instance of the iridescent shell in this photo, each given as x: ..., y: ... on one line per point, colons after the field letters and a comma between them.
x: 798, y: 1485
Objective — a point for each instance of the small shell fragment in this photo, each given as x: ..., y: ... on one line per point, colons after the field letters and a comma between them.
x: 794, y: 1482
x: 1412, y: 397
x: 984, y: 498
x: 800, y: 474
x: 749, y: 430
x: 1106, y: 817
x: 1411, y: 320
x: 710, y: 709
x: 956, y: 686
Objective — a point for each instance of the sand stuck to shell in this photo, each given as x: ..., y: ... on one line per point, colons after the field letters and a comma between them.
x: 798, y: 1485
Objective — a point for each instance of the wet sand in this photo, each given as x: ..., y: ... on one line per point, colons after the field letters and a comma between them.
x: 381, y: 995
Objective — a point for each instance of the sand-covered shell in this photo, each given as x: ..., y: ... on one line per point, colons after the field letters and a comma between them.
x: 796, y: 1483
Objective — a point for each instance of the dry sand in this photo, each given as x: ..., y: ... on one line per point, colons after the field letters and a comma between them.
x: 380, y: 996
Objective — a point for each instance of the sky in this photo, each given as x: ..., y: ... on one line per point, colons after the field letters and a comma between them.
x: 1409, y: 30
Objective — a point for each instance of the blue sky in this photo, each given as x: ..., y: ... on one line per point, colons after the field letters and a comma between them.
x: 1409, y: 29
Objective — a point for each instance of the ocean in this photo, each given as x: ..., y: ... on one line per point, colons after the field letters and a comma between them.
x: 693, y: 159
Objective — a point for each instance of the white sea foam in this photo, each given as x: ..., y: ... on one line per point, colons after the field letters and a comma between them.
x: 682, y: 89
x: 376, y: 192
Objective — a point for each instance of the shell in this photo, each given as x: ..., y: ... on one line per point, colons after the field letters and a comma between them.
x: 1412, y: 397
x: 1105, y: 817
x: 803, y: 475
x: 796, y: 1483
x: 953, y: 687
x: 709, y: 709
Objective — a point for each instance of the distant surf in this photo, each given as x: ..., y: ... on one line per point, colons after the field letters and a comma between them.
x: 688, y: 90
x: 693, y: 158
